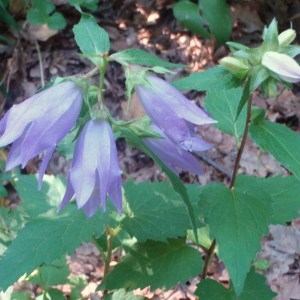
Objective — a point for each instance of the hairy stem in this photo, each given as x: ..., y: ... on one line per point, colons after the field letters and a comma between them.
x: 208, y: 256
x: 243, y: 143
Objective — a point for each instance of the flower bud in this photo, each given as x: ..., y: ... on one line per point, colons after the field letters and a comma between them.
x: 286, y: 37
x: 282, y: 65
x: 235, y: 66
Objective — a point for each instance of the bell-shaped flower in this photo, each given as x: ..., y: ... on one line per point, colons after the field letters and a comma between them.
x: 39, y: 124
x: 95, y: 172
x: 172, y: 112
x: 174, y: 156
x: 282, y: 65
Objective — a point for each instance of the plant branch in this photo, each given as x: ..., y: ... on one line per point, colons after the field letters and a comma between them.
x: 208, y: 256
x: 243, y: 143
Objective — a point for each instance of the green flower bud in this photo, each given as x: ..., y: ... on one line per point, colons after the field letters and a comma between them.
x: 286, y: 37
x: 235, y: 66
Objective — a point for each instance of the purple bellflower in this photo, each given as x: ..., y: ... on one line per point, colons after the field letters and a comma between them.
x: 39, y: 124
x: 172, y: 112
x: 174, y: 156
x: 95, y: 171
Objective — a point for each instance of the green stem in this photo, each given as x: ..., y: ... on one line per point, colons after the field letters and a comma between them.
x: 208, y: 256
x: 109, y: 241
x: 101, y: 83
x: 243, y: 143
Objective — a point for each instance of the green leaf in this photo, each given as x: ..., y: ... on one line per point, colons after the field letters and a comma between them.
x: 92, y: 40
x: 270, y: 37
x: 255, y: 288
x: 123, y: 295
x: 213, y: 78
x: 141, y: 57
x: 3, y: 191
x: 217, y: 13
x: 222, y: 106
x: 160, y: 215
x: 11, y: 221
x: 53, y: 274
x: 178, y: 186
x: 6, y: 16
x: 156, y: 264
x: 53, y: 294
x: 36, y: 202
x: 35, y: 16
x: 283, y: 192
x: 280, y: 141
x: 237, y: 218
x: 188, y: 15
x: 258, y: 75
x: 57, y: 21
x: 46, y: 235
x: 244, y: 99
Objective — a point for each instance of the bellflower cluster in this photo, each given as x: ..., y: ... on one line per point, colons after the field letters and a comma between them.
x: 267, y: 64
x: 95, y: 171
x: 38, y: 124
x: 173, y: 113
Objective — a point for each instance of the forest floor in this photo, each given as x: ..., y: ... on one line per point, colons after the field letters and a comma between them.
x: 40, y: 54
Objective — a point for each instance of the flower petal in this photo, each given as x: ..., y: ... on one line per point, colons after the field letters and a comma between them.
x: 177, y: 102
x: 283, y: 65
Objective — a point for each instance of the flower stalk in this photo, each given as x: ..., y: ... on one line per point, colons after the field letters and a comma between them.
x: 243, y: 143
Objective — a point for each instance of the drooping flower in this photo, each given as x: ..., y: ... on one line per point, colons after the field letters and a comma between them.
x: 174, y: 156
x: 282, y: 65
x: 39, y: 124
x: 95, y: 171
x: 172, y: 112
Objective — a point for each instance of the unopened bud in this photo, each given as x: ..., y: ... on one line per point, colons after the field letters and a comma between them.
x: 234, y: 66
x: 282, y: 65
x: 286, y: 37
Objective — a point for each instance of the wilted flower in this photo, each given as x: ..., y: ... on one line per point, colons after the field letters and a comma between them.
x: 282, y: 65
x: 95, y: 171
x: 39, y: 124
x: 172, y: 155
x: 172, y: 112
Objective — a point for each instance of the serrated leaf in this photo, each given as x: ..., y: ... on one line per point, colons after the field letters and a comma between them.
x: 213, y: 78
x: 178, y: 186
x: 237, y: 218
x: 188, y: 15
x: 156, y: 264
x: 44, y: 239
x: 255, y: 288
x: 223, y: 106
x: 213, y: 12
x: 160, y: 215
x: 280, y: 141
x: 46, y: 235
x: 141, y: 57
x: 35, y: 202
x: 53, y: 274
x: 92, y: 40
x: 283, y: 192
